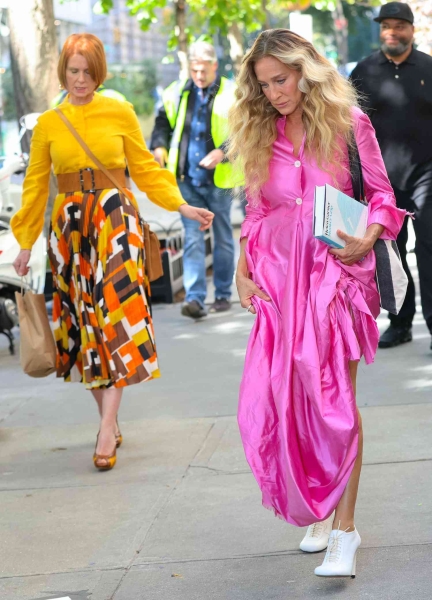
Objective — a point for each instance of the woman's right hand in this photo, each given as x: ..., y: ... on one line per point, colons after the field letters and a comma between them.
x: 202, y: 215
x: 246, y: 290
x: 21, y: 262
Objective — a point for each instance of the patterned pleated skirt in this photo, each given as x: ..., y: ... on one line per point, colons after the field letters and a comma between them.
x: 102, y: 322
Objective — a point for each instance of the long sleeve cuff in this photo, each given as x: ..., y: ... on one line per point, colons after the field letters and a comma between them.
x: 387, y: 215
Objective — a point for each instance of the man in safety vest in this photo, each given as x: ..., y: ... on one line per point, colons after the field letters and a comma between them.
x: 190, y: 132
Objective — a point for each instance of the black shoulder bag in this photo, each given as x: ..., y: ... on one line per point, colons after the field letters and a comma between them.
x: 391, y: 278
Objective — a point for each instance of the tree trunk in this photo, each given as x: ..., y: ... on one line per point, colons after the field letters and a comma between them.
x: 180, y: 30
x: 33, y: 45
x: 341, y: 32
x: 235, y: 39
x: 266, y: 24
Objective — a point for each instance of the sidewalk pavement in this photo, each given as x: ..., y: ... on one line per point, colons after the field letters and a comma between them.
x: 180, y: 516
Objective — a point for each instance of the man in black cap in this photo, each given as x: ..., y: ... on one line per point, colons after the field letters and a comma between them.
x: 396, y: 84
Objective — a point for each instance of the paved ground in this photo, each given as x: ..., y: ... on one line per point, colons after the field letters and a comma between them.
x: 179, y: 518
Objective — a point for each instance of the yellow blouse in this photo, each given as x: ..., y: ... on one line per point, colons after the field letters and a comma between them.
x: 111, y: 130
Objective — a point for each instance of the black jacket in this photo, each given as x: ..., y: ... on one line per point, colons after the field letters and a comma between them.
x: 398, y: 99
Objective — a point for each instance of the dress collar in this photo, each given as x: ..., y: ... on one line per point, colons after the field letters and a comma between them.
x: 280, y: 128
x: 95, y: 100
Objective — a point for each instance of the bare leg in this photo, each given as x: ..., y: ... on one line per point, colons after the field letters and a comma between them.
x: 108, y: 402
x: 97, y: 395
x: 345, y: 508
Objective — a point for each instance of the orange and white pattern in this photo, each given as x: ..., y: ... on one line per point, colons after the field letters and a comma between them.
x: 102, y: 322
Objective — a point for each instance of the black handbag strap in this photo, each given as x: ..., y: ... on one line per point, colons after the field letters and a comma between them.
x: 356, y: 171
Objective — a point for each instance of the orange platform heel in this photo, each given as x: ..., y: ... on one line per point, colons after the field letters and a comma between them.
x: 104, y: 462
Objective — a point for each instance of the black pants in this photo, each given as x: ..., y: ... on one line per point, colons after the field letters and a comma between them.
x: 418, y: 199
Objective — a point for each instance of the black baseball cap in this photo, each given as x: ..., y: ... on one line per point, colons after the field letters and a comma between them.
x: 395, y: 10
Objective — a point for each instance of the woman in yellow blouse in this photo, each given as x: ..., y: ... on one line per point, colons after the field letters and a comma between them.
x: 103, y: 328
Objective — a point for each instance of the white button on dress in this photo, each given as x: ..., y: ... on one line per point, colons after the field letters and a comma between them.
x: 297, y: 163
x: 299, y: 201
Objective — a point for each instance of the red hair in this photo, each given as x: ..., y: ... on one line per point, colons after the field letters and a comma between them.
x: 89, y: 46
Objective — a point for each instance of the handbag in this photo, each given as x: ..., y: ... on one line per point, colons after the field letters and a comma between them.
x: 391, y: 279
x: 37, y: 347
x: 152, y: 256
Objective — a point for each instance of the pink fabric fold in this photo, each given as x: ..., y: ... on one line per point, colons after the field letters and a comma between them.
x: 297, y: 411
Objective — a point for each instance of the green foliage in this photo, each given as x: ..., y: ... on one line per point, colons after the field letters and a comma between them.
x: 217, y: 16
x: 331, y: 4
x: 144, y: 10
x: 219, y: 13
x: 136, y: 82
x: 9, y: 106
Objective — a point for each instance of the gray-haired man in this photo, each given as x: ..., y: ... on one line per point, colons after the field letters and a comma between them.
x: 189, y: 137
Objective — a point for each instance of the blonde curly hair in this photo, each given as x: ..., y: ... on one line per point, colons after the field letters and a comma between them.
x: 326, y: 105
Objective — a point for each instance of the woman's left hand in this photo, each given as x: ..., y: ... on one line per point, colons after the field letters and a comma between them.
x: 355, y: 250
x: 202, y: 215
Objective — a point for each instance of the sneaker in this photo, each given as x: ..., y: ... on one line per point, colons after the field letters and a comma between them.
x: 394, y: 336
x: 193, y: 309
x: 220, y: 305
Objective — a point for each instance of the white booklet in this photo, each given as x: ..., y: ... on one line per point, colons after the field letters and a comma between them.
x: 335, y: 210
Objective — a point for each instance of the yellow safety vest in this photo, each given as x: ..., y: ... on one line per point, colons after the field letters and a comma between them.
x: 175, y: 104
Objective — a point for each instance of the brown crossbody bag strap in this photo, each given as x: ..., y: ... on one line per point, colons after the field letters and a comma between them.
x: 90, y: 154
x: 153, y: 262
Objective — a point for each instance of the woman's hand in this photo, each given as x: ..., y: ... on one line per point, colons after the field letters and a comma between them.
x: 355, y: 250
x: 246, y: 289
x: 202, y: 215
x: 21, y: 262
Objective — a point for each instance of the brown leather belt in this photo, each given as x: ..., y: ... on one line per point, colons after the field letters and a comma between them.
x: 89, y: 180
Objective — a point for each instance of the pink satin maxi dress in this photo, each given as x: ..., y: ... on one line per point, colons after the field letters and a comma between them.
x: 297, y: 410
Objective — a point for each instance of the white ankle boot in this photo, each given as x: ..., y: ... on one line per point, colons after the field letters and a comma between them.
x: 317, y: 536
x: 340, y: 558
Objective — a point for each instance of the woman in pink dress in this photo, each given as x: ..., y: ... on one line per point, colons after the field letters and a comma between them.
x: 315, y: 307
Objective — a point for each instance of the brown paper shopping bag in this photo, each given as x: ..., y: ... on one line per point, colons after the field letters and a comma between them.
x: 37, y: 348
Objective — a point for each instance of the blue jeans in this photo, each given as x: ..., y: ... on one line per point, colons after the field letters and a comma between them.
x: 194, y: 271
